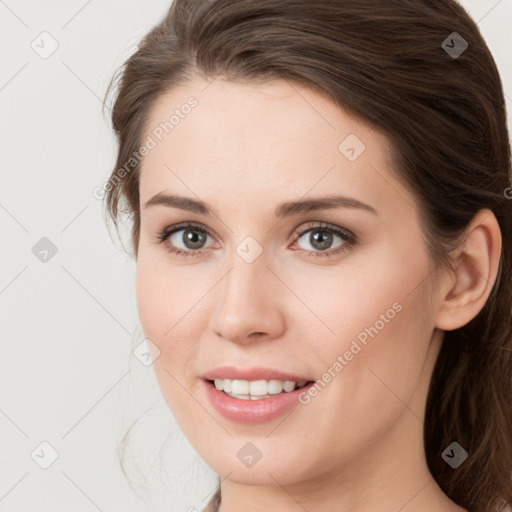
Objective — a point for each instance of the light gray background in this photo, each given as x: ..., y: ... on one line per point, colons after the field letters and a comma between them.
x: 68, y: 325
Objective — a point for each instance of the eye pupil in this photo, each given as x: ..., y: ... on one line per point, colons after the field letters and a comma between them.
x: 194, y: 237
x: 320, y: 239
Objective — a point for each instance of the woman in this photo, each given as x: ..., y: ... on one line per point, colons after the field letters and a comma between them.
x: 322, y: 230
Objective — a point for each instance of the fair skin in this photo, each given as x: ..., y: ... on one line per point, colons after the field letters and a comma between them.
x: 358, y: 445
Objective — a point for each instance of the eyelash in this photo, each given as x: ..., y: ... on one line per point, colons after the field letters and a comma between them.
x: 348, y: 238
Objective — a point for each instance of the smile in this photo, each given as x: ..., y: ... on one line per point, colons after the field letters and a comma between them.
x: 250, y: 409
x: 256, y: 389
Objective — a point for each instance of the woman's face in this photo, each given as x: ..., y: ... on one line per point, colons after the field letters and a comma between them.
x: 277, y: 287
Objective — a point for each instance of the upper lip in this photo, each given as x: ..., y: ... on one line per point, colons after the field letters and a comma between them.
x: 255, y: 373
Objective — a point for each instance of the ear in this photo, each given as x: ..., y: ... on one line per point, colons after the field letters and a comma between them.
x: 465, y: 291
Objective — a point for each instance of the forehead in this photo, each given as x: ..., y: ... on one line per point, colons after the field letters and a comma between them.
x: 266, y: 139
x: 262, y: 113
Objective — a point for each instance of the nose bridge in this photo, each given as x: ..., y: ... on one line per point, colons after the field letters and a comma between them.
x: 247, y: 301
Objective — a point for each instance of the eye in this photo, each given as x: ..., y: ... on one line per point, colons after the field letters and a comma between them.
x: 184, y: 239
x: 321, y: 237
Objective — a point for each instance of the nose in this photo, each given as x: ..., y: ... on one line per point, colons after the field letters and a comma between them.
x: 249, y: 303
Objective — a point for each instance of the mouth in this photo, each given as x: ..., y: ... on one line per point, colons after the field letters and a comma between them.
x: 257, y: 389
x: 254, y: 401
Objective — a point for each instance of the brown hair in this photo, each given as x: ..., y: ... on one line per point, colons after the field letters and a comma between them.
x: 444, y: 114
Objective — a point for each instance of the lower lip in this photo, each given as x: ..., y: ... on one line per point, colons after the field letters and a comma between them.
x: 252, y: 411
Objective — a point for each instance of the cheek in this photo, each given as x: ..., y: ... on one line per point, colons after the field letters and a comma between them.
x: 149, y: 289
x: 381, y: 325
x: 367, y: 301
x: 160, y: 305
x: 370, y: 370
x: 164, y: 295
x: 170, y: 305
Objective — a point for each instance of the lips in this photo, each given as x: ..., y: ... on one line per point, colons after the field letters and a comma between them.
x: 257, y: 409
x: 252, y: 411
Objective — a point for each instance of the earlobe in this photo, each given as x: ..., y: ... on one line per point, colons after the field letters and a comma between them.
x: 468, y: 287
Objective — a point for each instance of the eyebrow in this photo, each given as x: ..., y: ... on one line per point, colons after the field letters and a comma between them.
x: 284, y: 209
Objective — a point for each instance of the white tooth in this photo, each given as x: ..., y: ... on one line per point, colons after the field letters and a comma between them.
x: 240, y: 387
x: 248, y: 397
x: 241, y: 397
x: 259, y: 397
x: 274, y: 387
x: 288, y: 386
x: 254, y: 390
x: 258, y: 387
